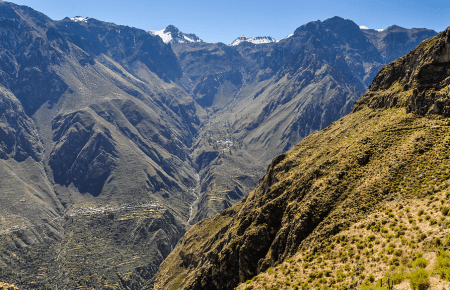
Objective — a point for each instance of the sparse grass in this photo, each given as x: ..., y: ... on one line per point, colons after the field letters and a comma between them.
x: 394, y: 259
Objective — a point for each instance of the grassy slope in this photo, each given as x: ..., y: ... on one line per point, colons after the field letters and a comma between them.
x: 397, y: 177
x: 378, y: 157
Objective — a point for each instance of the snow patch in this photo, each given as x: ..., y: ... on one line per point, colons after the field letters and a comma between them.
x: 290, y: 35
x: 367, y: 28
x: 80, y: 19
x: 165, y: 36
x: 254, y: 40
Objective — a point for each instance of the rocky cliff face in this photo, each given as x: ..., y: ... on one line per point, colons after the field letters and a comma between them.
x: 18, y: 135
x: 393, y: 143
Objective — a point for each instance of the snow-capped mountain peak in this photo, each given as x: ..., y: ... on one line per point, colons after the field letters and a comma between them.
x: 254, y: 40
x: 171, y: 34
x: 79, y: 19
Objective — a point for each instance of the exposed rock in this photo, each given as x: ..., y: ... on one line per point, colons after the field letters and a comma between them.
x: 18, y: 135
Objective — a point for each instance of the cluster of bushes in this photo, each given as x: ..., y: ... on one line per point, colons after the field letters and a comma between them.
x: 442, y: 265
x: 419, y: 278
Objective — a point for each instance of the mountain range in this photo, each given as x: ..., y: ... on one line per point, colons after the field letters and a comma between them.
x: 113, y: 142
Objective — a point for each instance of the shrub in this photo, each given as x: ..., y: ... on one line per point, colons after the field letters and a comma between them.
x: 395, y: 261
x: 419, y: 279
x: 399, y: 234
x: 422, y: 236
x: 398, y: 252
x: 427, y: 217
x: 447, y: 241
x: 398, y: 275
x: 420, y: 212
x: 420, y: 262
x: 347, y: 267
x: 437, y: 241
x: 340, y: 275
x: 442, y: 265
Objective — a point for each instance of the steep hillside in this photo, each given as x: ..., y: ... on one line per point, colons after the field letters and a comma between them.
x: 391, y: 152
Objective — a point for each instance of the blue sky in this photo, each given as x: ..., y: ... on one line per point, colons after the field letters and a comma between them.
x: 224, y: 21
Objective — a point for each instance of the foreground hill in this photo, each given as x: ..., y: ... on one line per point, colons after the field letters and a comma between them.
x: 321, y: 210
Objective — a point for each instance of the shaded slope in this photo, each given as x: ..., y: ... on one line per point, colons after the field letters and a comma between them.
x: 98, y: 153
x: 391, y: 146
x: 31, y: 212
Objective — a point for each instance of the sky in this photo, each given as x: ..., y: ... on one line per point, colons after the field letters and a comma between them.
x: 224, y: 21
